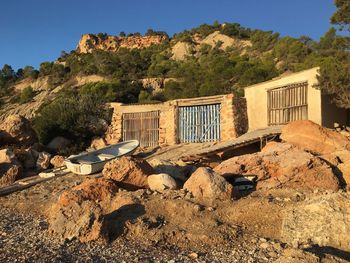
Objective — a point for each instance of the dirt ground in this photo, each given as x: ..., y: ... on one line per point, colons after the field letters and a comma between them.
x: 175, y: 219
x: 168, y: 227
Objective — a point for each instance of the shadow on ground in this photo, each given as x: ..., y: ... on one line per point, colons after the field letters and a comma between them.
x: 114, y: 223
x: 323, y: 251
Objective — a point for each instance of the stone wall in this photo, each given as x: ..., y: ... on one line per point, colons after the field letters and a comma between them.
x: 233, y: 117
x: 234, y: 120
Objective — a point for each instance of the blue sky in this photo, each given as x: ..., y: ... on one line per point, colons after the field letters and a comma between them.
x: 33, y: 31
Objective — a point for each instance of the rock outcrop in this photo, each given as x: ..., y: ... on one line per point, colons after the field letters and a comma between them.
x: 20, y: 130
x: 129, y: 173
x: 314, y: 138
x: 181, y: 51
x: 207, y: 185
x: 91, y: 42
x: 281, y: 165
x: 214, y: 38
x: 161, y: 182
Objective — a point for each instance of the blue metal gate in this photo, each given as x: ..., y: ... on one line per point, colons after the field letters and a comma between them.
x: 199, y: 123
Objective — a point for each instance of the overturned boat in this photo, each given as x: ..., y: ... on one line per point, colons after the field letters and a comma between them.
x: 93, y: 162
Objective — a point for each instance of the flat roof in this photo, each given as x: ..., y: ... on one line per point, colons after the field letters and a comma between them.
x: 282, y: 77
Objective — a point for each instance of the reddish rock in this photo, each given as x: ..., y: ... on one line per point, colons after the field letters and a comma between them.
x: 79, y: 211
x: 205, y: 184
x: 57, y: 161
x: 130, y: 173
x: 282, y: 165
x: 89, y: 42
x: 98, y: 189
x: 314, y: 138
x: 20, y: 130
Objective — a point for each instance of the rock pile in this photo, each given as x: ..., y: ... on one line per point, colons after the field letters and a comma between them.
x: 17, y: 130
x: 21, y: 151
x: 282, y: 165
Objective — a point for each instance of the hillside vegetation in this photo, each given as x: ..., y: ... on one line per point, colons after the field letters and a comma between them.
x: 207, y: 60
x: 207, y: 69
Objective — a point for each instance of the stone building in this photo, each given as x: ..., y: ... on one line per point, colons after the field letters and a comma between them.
x: 205, y: 119
x: 288, y: 98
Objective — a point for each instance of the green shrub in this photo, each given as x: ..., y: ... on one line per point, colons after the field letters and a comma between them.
x: 27, y: 95
x: 144, y: 96
x: 70, y: 115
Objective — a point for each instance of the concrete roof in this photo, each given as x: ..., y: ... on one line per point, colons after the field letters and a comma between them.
x: 283, y: 76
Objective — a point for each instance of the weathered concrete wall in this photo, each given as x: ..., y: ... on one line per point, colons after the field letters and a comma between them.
x: 233, y: 117
x: 256, y: 96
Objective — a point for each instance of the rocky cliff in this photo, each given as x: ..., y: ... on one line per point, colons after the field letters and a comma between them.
x: 90, y: 42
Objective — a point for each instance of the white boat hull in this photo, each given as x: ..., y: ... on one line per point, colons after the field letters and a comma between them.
x: 93, y: 162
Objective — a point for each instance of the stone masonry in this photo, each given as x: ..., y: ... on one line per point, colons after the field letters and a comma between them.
x: 233, y: 117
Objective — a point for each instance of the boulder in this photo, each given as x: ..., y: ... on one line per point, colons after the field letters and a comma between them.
x: 205, y: 184
x: 79, y: 211
x: 58, y: 143
x: 27, y: 158
x: 161, y: 182
x: 20, y: 130
x: 314, y: 138
x: 43, y: 161
x: 57, y: 161
x: 179, y: 171
x: 7, y: 156
x: 281, y: 165
x: 130, y: 173
x: 98, y: 143
x: 322, y: 220
x: 82, y: 221
x: 10, y: 167
x: 95, y: 189
x: 9, y: 173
